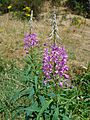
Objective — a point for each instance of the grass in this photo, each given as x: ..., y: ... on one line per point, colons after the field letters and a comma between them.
x: 21, y: 87
x: 75, y: 38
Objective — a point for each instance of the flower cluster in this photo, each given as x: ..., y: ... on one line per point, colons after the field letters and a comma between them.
x: 30, y: 40
x: 54, y: 62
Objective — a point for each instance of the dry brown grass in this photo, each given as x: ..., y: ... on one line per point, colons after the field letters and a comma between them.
x: 76, y: 39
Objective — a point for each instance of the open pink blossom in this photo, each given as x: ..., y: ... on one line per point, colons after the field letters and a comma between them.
x: 54, y: 62
x: 30, y: 40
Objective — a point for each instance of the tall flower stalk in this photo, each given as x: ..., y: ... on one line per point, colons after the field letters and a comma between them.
x: 30, y: 40
x: 54, y: 34
x: 55, y: 58
x: 31, y: 21
x: 55, y: 63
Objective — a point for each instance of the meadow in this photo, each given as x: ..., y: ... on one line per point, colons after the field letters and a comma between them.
x: 45, y: 66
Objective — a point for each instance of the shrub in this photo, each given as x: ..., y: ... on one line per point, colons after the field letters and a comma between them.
x: 80, y: 6
x: 18, y: 5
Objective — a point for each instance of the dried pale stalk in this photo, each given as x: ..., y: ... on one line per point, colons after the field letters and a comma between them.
x: 54, y: 34
x: 31, y: 21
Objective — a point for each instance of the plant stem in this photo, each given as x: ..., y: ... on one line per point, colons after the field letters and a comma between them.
x: 30, y: 21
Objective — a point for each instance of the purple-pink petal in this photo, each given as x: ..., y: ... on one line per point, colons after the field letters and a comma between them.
x: 54, y: 62
x: 30, y: 40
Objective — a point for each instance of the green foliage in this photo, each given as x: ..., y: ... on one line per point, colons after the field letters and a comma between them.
x: 81, y: 7
x: 76, y: 21
x: 23, y: 95
x: 18, y: 5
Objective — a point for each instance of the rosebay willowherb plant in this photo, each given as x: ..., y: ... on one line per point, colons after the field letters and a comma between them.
x: 30, y: 39
x: 55, y: 58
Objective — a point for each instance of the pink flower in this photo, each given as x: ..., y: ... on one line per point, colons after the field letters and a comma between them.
x: 30, y: 40
x: 60, y: 84
x: 66, y: 76
x: 54, y: 62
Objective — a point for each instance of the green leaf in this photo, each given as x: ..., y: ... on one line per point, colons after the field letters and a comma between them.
x: 1, y: 110
x: 65, y: 117
x: 26, y: 92
x: 28, y: 110
x: 28, y: 71
x: 33, y: 108
x: 36, y: 79
x: 51, y: 94
x: 42, y: 100
x: 44, y: 107
x: 56, y: 114
x: 31, y: 92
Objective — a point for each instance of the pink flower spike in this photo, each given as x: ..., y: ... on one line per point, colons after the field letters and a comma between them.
x: 54, y: 62
x: 66, y: 76
x: 60, y: 84
x: 30, y: 40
